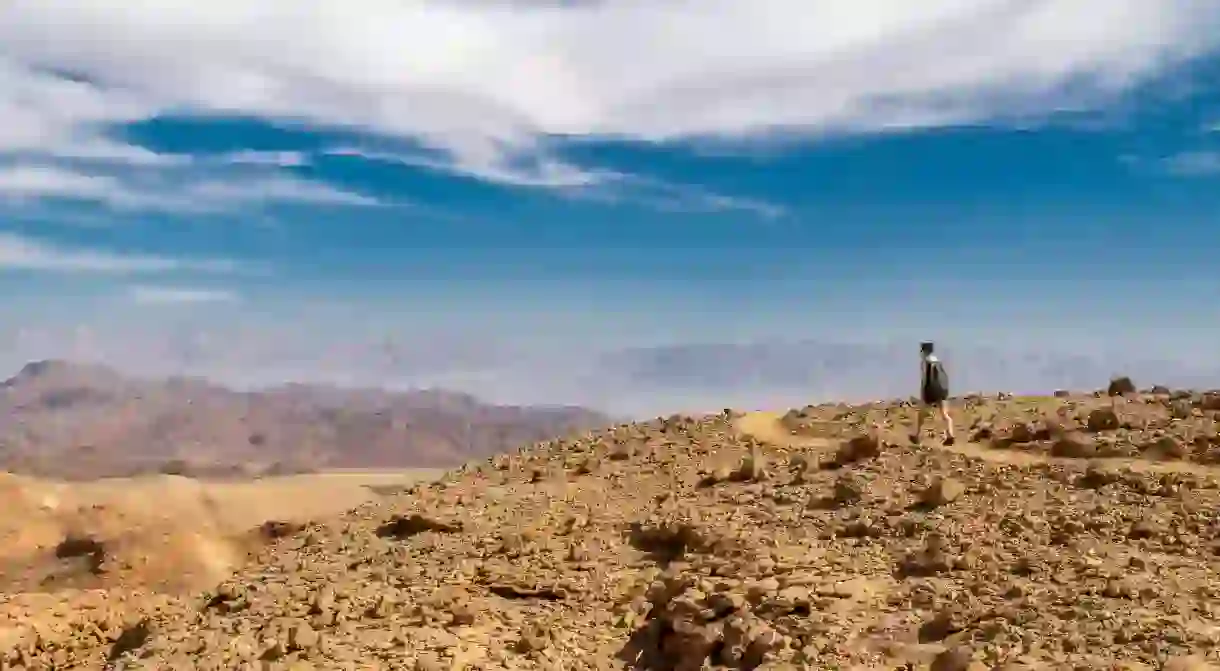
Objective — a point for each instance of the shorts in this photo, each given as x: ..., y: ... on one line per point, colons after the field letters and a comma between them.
x: 933, y: 396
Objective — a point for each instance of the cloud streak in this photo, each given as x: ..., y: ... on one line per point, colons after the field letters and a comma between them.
x: 609, y: 186
x: 166, y: 191
x: 280, y: 159
x: 167, y: 295
x: 1193, y: 163
x: 22, y: 253
x: 485, y: 84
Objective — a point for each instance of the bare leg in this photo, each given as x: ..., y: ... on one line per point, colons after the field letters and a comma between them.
x: 919, y: 417
x: 944, y: 414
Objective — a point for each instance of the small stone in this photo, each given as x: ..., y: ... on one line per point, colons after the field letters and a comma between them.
x: 1187, y: 663
x: 430, y: 661
x: 1074, y: 446
x: 942, y: 491
x: 302, y: 637
x: 954, y: 659
x: 1103, y: 419
x: 1120, y: 386
x: 859, y: 448
x: 462, y: 614
x: 848, y: 489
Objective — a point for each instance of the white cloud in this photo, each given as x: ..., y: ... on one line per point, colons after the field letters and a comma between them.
x: 44, y: 112
x: 158, y: 295
x: 226, y: 193
x: 577, y: 182
x: 487, y: 82
x: 671, y: 197
x: 19, y: 252
x: 34, y: 181
x: 108, y: 151
x: 523, y: 170
x: 282, y: 159
x: 1193, y: 163
x: 166, y: 192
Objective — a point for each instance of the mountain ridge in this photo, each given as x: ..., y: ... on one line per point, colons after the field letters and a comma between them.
x: 80, y: 421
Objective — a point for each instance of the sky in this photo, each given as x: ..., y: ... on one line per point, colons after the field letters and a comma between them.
x: 640, y: 206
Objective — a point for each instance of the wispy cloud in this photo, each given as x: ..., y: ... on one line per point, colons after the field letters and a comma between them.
x: 167, y: 192
x: 672, y: 197
x: 1193, y: 163
x: 596, y: 184
x: 102, y: 150
x: 166, y: 295
x: 271, y: 189
x: 526, y: 170
x: 36, y: 181
x: 282, y: 159
x: 19, y: 252
x: 499, y: 78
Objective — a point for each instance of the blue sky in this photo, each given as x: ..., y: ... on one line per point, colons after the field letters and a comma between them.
x: 634, y: 205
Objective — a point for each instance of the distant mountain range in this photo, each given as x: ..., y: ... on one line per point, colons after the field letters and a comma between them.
x: 76, y: 420
x: 657, y: 380
x: 63, y: 419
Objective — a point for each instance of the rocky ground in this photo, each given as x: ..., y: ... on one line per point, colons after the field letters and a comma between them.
x: 1060, y: 532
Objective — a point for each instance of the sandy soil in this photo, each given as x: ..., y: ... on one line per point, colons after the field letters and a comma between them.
x: 163, y: 531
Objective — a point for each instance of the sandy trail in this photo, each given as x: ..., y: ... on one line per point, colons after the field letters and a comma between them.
x: 768, y: 427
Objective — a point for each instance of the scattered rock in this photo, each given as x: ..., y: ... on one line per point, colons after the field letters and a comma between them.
x: 859, y: 448
x: 1022, y: 432
x: 1099, y: 475
x: 1187, y: 663
x: 1120, y: 386
x: 1103, y: 419
x: 405, y: 526
x: 849, y: 489
x: 1074, y: 446
x: 753, y: 467
x: 942, y: 491
x: 954, y: 659
x: 613, y: 550
x: 1181, y: 409
x: 1167, y: 448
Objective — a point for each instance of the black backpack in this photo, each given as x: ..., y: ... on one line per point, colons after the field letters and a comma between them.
x: 938, y: 379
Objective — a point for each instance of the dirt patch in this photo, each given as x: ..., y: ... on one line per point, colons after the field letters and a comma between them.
x: 167, y: 533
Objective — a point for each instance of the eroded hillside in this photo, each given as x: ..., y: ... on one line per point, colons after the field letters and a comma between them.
x: 64, y: 420
x: 1074, y: 532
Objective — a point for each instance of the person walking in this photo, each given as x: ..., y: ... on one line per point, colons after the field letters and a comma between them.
x: 933, y: 393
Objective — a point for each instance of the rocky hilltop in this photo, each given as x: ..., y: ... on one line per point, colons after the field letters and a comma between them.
x: 1068, y: 531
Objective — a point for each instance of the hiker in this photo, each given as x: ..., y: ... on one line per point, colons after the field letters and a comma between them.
x: 933, y: 392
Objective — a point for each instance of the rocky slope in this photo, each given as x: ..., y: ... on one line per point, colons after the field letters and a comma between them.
x: 65, y: 420
x: 1068, y: 534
